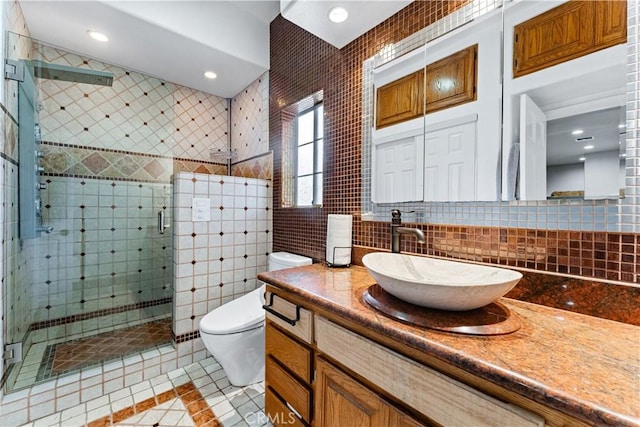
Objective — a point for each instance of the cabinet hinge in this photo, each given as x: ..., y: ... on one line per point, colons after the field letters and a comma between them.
x: 14, y: 70
x: 12, y: 353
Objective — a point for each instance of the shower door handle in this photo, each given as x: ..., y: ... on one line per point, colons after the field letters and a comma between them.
x: 161, y: 225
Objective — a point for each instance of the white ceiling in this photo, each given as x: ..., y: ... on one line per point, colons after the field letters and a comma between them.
x: 178, y: 40
x: 562, y: 147
x: 312, y: 15
x: 173, y: 40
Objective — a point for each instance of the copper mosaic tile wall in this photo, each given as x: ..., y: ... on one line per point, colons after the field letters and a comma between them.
x: 302, y: 64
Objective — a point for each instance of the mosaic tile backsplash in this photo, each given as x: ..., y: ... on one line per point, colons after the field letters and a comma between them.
x: 302, y: 64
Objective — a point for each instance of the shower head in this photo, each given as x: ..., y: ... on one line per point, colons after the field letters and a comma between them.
x: 65, y: 73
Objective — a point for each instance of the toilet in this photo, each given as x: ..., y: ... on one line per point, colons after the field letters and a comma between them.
x: 234, y: 332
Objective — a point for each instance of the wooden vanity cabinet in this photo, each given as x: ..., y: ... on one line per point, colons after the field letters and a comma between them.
x: 566, y: 32
x: 321, y: 374
x: 343, y: 401
x: 289, y: 363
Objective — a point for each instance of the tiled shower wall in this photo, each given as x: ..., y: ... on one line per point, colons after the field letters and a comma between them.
x: 302, y: 64
x: 14, y: 292
x: 217, y: 260
x: 250, y: 131
x: 109, y: 159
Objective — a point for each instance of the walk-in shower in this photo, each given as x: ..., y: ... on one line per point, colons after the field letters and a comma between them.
x: 95, y: 167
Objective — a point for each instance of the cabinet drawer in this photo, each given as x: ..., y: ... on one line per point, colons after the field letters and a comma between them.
x: 278, y: 412
x: 431, y: 393
x: 294, y: 356
x: 302, y: 319
x: 290, y: 389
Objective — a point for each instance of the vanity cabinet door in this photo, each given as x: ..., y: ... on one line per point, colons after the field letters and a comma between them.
x: 566, y: 32
x: 342, y: 401
x: 400, y: 100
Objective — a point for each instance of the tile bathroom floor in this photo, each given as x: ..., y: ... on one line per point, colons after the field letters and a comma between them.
x: 50, y: 355
x: 197, y: 395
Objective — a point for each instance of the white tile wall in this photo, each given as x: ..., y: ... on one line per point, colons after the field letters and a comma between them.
x: 105, y: 249
x: 218, y: 260
x: 250, y: 119
x: 138, y: 113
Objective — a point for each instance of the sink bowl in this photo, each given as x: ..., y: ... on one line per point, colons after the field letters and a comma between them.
x: 440, y: 284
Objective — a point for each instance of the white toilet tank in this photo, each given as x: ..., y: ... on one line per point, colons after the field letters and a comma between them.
x: 282, y: 260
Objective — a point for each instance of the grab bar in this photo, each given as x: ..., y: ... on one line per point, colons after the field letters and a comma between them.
x: 161, y: 225
x: 268, y: 307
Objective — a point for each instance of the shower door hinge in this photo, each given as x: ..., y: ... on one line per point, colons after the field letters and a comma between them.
x: 14, y: 70
x: 12, y: 353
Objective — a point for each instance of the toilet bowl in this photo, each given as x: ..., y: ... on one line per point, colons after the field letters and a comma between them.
x: 234, y: 332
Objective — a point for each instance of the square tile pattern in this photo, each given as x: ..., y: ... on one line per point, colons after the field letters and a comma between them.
x: 218, y: 260
x: 197, y: 395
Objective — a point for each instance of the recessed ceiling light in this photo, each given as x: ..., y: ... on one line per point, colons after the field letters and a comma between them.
x: 577, y: 132
x: 588, y: 147
x: 338, y: 14
x: 582, y: 159
x: 210, y: 74
x: 98, y: 36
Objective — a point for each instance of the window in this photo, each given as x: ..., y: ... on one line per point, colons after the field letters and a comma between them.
x: 308, y: 154
x: 303, y: 152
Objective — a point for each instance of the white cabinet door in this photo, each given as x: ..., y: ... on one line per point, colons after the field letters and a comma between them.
x: 533, y: 150
x: 449, y: 164
x: 397, y: 171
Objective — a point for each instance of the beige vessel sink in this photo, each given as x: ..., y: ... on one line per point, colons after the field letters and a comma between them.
x: 440, y: 284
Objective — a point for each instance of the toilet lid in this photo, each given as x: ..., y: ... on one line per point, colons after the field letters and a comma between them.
x: 239, y: 315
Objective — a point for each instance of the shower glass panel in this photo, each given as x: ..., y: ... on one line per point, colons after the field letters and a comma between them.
x: 98, y: 286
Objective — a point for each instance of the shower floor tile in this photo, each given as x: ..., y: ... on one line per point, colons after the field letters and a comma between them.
x: 68, y: 356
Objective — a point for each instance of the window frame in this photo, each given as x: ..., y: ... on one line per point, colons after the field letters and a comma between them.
x: 315, y: 170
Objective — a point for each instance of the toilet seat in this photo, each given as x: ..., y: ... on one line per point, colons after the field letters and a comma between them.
x: 235, y: 316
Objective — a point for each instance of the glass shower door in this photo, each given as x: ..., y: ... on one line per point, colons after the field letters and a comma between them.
x: 99, y: 285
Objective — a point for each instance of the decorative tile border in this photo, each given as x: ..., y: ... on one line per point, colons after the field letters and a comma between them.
x: 188, y: 393
x: 185, y: 337
x: 75, y: 161
x: 259, y: 167
x: 98, y: 313
x: 197, y: 166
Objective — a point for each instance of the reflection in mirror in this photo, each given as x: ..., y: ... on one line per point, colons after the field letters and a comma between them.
x: 586, y: 155
x: 575, y: 95
x: 436, y: 127
x: 553, y: 87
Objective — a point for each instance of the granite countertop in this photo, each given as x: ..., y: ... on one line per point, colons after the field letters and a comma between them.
x: 581, y: 365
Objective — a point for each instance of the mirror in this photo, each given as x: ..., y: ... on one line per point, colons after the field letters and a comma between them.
x: 590, y: 93
x: 564, y: 101
x: 436, y: 134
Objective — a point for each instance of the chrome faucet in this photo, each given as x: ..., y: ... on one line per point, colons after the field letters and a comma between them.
x: 397, y: 230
